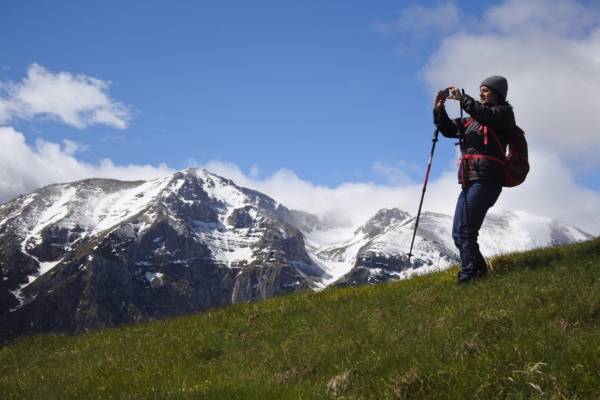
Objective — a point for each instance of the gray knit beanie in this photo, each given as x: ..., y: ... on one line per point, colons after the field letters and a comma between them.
x: 498, y: 84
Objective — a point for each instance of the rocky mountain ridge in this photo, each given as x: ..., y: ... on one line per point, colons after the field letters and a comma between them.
x: 97, y: 253
x: 102, y: 252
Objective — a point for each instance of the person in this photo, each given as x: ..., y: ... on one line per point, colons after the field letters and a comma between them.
x: 483, y: 139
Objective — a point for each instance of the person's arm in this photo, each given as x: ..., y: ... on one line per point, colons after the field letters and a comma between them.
x: 494, y: 116
x: 447, y: 127
x: 440, y: 118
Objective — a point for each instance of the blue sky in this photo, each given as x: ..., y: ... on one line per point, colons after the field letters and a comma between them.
x: 319, y: 104
x: 305, y: 85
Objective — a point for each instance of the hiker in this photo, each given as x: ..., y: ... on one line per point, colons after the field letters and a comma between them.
x: 483, y: 139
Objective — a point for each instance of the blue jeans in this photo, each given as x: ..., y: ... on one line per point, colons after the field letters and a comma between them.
x: 473, y: 204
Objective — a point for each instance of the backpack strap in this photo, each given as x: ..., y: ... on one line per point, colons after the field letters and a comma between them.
x: 485, y: 130
x: 483, y: 156
x: 498, y: 142
x: 468, y: 122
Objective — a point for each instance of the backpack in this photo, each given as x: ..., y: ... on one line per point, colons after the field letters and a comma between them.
x: 515, y: 162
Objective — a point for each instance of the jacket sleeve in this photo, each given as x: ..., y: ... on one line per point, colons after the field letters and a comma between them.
x: 448, y: 127
x: 500, y: 118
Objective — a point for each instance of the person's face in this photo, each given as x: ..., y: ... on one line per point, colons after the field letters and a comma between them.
x: 487, y: 95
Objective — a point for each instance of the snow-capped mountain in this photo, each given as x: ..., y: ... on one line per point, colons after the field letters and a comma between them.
x: 102, y: 252
x: 378, y: 250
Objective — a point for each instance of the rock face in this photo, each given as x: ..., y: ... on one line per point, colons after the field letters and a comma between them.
x: 380, y: 250
x: 98, y: 253
x: 101, y: 252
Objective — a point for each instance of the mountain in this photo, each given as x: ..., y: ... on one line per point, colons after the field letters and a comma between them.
x: 102, y: 252
x: 378, y: 250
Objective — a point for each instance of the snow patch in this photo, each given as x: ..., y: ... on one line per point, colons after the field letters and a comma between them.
x: 47, y: 266
x: 218, y: 189
x: 24, y: 204
x: 115, y: 208
x: 51, y: 215
x: 151, y: 276
x: 230, y: 246
x: 44, y: 268
x: 338, y: 260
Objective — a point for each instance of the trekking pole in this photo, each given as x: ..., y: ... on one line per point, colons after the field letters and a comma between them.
x: 435, y: 139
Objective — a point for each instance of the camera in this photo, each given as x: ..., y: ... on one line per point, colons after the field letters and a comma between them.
x: 444, y: 93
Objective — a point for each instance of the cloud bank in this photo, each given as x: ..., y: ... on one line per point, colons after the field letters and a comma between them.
x: 25, y: 167
x: 548, y: 49
x: 550, y: 52
x: 76, y: 100
x: 421, y: 21
x: 550, y: 192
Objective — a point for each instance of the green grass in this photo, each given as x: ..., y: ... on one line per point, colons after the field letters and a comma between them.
x: 529, y: 330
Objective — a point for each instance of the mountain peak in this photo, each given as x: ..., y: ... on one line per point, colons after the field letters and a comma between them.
x: 382, y: 219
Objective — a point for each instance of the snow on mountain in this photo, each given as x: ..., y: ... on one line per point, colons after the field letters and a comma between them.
x: 112, y: 252
x: 93, y: 207
x: 378, y: 251
x: 102, y: 252
x: 517, y: 231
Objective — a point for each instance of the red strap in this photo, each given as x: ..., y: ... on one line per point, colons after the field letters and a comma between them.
x: 480, y: 156
x: 484, y: 128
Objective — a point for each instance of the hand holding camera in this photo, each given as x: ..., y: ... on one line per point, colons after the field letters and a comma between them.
x: 452, y: 93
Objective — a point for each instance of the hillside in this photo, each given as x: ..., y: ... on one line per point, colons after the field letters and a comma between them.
x: 529, y: 330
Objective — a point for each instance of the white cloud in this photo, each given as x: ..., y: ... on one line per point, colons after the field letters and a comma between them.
x: 559, y: 17
x: 550, y: 52
x: 76, y: 100
x: 553, y: 80
x: 350, y: 203
x: 421, y: 21
x: 24, y: 168
x: 551, y: 190
x: 398, y: 173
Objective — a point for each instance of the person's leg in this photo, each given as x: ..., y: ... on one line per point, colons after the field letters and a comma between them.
x: 477, y: 199
x: 481, y: 267
x: 459, y: 220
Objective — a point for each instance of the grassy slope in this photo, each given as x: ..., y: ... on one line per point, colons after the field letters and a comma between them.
x: 531, y: 329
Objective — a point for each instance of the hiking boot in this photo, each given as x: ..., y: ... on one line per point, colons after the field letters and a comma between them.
x: 464, y: 281
x: 480, y: 273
